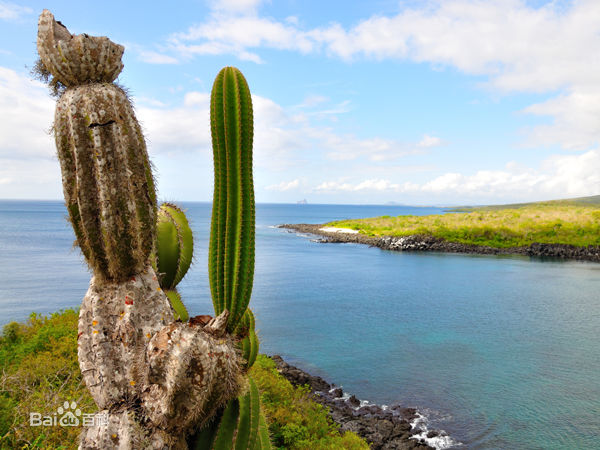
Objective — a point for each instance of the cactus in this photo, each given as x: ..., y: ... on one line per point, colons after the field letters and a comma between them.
x: 107, y: 179
x: 155, y: 379
x: 240, y: 426
x: 174, y: 251
x: 231, y: 249
x: 179, y: 310
x: 249, y: 340
x: 174, y: 245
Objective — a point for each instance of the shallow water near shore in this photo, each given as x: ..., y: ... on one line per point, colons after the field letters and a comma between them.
x: 501, y: 352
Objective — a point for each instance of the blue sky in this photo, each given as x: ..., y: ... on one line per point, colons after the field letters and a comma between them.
x: 415, y: 102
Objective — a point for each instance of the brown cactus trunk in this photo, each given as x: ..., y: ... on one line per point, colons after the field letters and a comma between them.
x: 156, y: 379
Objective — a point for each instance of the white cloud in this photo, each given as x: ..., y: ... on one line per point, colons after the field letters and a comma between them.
x: 559, y: 176
x: 235, y: 6
x: 183, y: 128
x: 152, y: 57
x: 27, y: 112
x: 429, y: 141
x: 575, y: 125
x: 519, y: 48
x: 366, y: 185
x: 284, y: 186
x: 11, y: 11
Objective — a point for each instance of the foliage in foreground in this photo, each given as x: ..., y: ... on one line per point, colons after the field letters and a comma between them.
x: 550, y: 223
x: 40, y: 372
x: 296, y: 421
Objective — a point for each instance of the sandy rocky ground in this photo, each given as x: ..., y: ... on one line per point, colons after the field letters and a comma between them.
x: 433, y: 244
x: 392, y: 427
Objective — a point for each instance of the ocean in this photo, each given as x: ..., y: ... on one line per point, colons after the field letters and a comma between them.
x: 501, y: 352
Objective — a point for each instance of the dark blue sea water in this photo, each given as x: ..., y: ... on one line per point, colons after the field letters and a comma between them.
x: 501, y: 352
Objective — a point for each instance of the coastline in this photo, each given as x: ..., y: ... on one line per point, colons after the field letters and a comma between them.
x: 424, y: 243
x: 383, y: 427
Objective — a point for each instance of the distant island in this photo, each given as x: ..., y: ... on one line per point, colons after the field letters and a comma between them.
x: 302, y: 202
x: 568, y: 229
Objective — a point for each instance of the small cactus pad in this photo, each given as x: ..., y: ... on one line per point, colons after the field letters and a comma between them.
x: 174, y: 245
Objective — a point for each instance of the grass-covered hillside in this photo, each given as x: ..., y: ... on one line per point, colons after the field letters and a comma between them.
x: 575, y: 222
x: 39, y: 372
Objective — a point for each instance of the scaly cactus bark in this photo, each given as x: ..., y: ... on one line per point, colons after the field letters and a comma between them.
x: 157, y: 380
x: 231, y: 249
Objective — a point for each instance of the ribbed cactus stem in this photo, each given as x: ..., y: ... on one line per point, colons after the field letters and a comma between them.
x: 249, y: 340
x: 231, y: 250
x: 174, y: 245
x: 107, y: 179
x: 240, y: 426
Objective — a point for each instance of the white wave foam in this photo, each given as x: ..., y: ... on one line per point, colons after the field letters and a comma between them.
x: 442, y: 441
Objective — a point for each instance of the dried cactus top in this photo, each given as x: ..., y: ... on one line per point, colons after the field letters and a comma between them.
x: 77, y: 59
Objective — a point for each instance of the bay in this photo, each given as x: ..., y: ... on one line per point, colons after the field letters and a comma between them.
x: 501, y: 352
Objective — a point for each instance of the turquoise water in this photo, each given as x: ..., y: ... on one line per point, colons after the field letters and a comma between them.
x: 501, y: 352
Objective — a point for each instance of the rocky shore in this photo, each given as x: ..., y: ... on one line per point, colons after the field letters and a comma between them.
x: 432, y: 244
x: 385, y: 428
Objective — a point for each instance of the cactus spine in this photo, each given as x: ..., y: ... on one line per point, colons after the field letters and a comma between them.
x: 231, y: 249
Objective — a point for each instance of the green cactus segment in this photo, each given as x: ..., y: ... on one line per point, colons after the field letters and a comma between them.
x: 174, y: 245
x: 224, y: 440
x: 231, y: 249
x: 237, y: 427
x: 249, y: 347
x: 107, y: 180
x: 249, y: 418
x: 263, y: 434
x: 253, y: 348
x: 179, y: 308
x: 204, y: 439
x: 249, y: 340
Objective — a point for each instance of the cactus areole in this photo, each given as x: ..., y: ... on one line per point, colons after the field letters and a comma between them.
x: 156, y: 379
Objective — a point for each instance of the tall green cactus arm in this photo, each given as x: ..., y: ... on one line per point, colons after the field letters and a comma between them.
x: 231, y: 249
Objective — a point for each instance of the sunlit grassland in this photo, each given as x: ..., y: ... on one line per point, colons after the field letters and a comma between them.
x: 517, y: 225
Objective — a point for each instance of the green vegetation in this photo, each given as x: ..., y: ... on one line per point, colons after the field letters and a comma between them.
x: 40, y: 372
x: 296, y: 421
x: 579, y: 201
x: 559, y: 222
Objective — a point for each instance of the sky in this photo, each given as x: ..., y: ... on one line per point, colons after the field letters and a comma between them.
x: 435, y: 102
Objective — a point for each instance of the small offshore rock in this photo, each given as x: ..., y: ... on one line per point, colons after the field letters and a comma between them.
x: 353, y: 401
